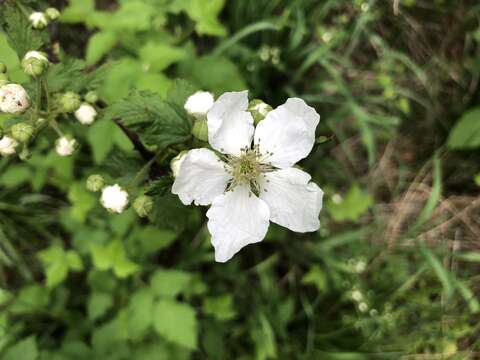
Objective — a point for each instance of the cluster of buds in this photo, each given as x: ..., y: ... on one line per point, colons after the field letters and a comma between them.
x: 115, y: 198
x: 35, y: 63
x: 40, y: 20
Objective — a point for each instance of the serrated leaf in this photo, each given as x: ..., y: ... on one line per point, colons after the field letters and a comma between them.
x: 160, y: 186
x: 100, y: 44
x: 101, y: 140
x: 220, y: 307
x: 180, y: 90
x: 112, y: 256
x: 98, y: 304
x: 160, y: 55
x: 21, y: 36
x: 140, y: 311
x: 176, y: 322
x: 466, y: 132
x: 170, y: 283
x: 158, y: 122
x: 25, y: 349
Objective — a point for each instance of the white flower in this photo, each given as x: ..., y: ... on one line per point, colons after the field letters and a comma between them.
x: 65, y: 146
x: 38, y: 20
x: 7, y: 145
x: 199, y: 103
x: 13, y: 98
x: 248, y: 186
x: 114, y: 198
x: 86, y: 114
x: 176, y: 162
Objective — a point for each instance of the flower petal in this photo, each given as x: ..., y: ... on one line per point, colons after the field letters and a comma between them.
x: 201, y: 178
x: 235, y: 220
x: 294, y: 201
x: 288, y: 132
x: 230, y: 126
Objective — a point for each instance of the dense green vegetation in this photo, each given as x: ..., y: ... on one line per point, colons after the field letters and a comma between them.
x: 393, y: 271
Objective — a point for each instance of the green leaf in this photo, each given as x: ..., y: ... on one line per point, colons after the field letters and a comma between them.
x: 100, y: 44
x: 74, y: 260
x: 354, y: 205
x: 153, y: 239
x: 205, y: 13
x: 179, y: 91
x: 158, y: 122
x: 25, y: 349
x: 57, y: 263
x: 220, y: 307
x: 158, y: 56
x: 100, y: 139
x: 82, y: 201
x: 98, y: 304
x: 466, y: 132
x: 21, y: 36
x: 77, y: 11
x: 30, y: 299
x: 442, y: 273
x: 170, y: 283
x: 140, y: 311
x: 317, y: 277
x: 15, y: 175
x: 113, y: 257
x: 176, y: 322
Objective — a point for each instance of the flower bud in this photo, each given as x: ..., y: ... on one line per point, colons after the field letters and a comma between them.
x: 143, y: 205
x: 35, y: 63
x: 65, y: 146
x: 86, y: 114
x: 25, y: 154
x: 114, y: 198
x: 199, y: 103
x: 3, y: 79
x: 38, y: 20
x: 95, y: 183
x: 7, y: 146
x: 3, y: 68
x: 13, y: 98
x: 69, y: 101
x: 52, y: 13
x: 22, y: 132
x: 259, y: 109
x: 91, y: 97
x: 177, y: 161
x: 40, y: 121
x: 200, y: 129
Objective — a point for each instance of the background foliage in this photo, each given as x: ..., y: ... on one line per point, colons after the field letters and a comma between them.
x: 392, y: 273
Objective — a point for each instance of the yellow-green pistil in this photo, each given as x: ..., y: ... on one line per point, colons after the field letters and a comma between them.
x: 247, y: 168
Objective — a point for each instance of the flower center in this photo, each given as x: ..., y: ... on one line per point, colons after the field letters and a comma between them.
x: 247, y: 168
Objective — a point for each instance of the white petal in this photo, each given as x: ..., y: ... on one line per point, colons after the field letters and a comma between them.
x: 288, y: 132
x: 230, y: 126
x: 235, y: 220
x: 294, y: 201
x: 201, y: 178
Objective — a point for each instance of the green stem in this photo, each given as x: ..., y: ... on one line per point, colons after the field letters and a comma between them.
x: 39, y: 98
x: 47, y: 95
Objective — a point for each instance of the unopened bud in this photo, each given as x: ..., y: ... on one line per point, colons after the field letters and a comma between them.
x: 65, y: 146
x: 25, y: 154
x: 7, y: 146
x: 95, y: 183
x: 22, y: 132
x: 3, y: 79
x: 199, y: 104
x: 200, y: 129
x: 35, y: 63
x: 69, y: 102
x: 3, y: 68
x: 40, y: 121
x: 52, y: 13
x: 143, y: 205
x: 91, y: 97
x: 13, y: 99
x: 38, y: 20
x: 259, y: 109
x: 177, y: 161
x: 86, y: 114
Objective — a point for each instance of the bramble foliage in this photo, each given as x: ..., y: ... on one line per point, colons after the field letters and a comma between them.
x: 392, y: 271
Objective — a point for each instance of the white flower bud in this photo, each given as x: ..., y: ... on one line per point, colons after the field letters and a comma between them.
x: 199, y: 103
x: 7, y: 145
x: 38, y: 20
x: 35, y: 63
x: 13, y: 98
x: 65, y: 146
x: 86, y: 114
x: 114, y: 198
x: 177, y: 161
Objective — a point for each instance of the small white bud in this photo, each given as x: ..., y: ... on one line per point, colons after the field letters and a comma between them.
x: 363, y: 307
x: 177, y: 162
x: 65, y: 146
x: 86, y: 114
x: 13, y: 98
x: 38, y: 20
x: 199, y: 103
x: 357, y: 295
x: 7, y: 146
x: 114, y: 198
